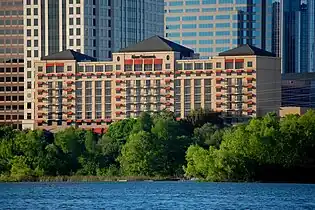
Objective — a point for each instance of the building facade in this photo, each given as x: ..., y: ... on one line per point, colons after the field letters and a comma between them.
x: 212, y: 26
x: 11, y: 63
x: 298, y: 90
x: 96, y: 28
x: 292, y: 53
x: 311, y: 35
x: 298, y: 47
x: 276, y: 28
x: 153, y: 75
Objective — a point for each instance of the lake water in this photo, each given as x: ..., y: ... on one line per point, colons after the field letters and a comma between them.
x: 156, y: 195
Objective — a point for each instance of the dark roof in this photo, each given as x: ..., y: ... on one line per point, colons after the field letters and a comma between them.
x: 247, y: 50
x: 157, y: 44
x: 69, y: 55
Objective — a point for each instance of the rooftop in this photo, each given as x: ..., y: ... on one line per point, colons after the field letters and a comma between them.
x: 247, y: 50
x: 158, y: 44
x: 69, y: 55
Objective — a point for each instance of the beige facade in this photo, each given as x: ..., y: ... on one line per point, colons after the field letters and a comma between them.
x: 93, y: 94
x: 292, y: 110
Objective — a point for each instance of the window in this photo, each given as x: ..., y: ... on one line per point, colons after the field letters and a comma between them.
x: 218, y: 65
x: 29, y: 85
x: 49, y: 69
x: 249, y: 64
x: 59, y: 69
x: 157, y: 67
x: 188, y: 66
x: 29, y: 74
x: 198, y: 66
x: 138, y: 67
x: 229, y: 65
x: 239, y: 65
x: 208, y: 66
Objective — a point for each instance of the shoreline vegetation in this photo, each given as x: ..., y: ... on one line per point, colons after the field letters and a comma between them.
x: 88, y: 179
x: 159, y: 147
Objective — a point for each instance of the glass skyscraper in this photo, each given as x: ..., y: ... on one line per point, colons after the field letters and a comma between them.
x: 311, y: 35
x: 212, y: 26
x: 276, y: 28
x: 298, y: 48
x: 292, y: 36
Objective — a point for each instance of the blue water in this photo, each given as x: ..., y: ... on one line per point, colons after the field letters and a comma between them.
x: 156, y: 195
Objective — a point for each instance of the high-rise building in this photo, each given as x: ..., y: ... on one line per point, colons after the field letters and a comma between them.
x: 212, y: 26
x: 11, y: 63
x: 96, y: 28
x: 291, y: 37
x: 276, y: 28
x: 311, y: 35
x: 153, y: 75
x: 304, y: 39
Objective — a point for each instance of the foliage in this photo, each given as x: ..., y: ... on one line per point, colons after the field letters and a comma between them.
x: 279, y: 145
x: 151, y: 145
x: 159, y: 145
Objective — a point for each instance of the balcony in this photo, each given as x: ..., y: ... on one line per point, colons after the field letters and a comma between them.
x: 70, y: 74
x: 188, y: 73
x: 250, y: 71
x: 108, y: 74
x: 168, y: 80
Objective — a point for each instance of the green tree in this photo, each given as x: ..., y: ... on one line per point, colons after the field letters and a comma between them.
x: 7, y: 148
x: 197, y: 162
x: 120, y: 130
x: 174, y: 144
x: 143, y: 123
x: 199, y: 117
x: 71, y: 143
x: 208, y: 135
x: 20, y: 169
x: 139, y: 155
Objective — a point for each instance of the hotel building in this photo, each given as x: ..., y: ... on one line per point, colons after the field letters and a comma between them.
x: 156, y: 74
x: 95, y: 28
x: 213, y: 26
x: 11, y: 63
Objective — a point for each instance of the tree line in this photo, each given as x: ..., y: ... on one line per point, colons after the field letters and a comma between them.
x: 151, y: 145
x: 269, y: 149
x: 158, y: 145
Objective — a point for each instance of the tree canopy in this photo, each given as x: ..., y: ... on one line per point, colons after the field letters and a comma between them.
x: 199, y: 146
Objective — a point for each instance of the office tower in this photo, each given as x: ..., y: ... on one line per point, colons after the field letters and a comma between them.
x: 291, y: 26
x: 96, y: 28
x: 212, y: 26
x: 276, y: 28
x: 11, y: 63
x: 135, y: 21
x: 304, y: 42
x: 73, y: 90
x: 311, y: 35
